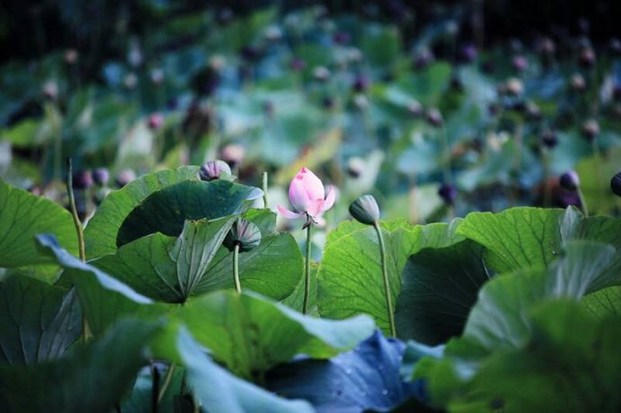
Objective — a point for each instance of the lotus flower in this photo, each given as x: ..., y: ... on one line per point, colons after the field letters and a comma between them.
x: 308, y: 197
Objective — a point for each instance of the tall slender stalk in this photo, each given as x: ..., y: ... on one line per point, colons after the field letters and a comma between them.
x: 307, y: 268
x: 236, y: 268
x: 264, y: 189
x: 387, y: 291
x: 74, y: 212
x: 166, y: 382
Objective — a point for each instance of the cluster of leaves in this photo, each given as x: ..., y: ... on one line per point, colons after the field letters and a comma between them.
x: 151, y: 317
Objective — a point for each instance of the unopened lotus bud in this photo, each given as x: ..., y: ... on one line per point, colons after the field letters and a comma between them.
x: 101, y: 176
x: 124, y: 177
x: 577, y: 82
x: 321, y: 73
x: 211, y: 170
x: 365, y: 210
x: 50, y: 89
x: 434, y: 117
x: 82, y: 180
x: 355, y: 166
x: 514, y: 86
x: 615, y: 184
x: 415, y: 108
x: 423, y: 58
x: 569, y: 181
x: 361, y: 84
x: 157, y: 76
x: 244, y: 233
x: 469, y: 53
x: 130, y: 81
x: 71, y: 56
x: 155, y: 122
x: 297, y: 64
x: 549, y: 139
x: 233, y: 154
x: 546, y: 46
x: 590, y: 129
x: 519, y: 63
x: 587, y: 57
x: 341, y: 38
x: 448, y: 193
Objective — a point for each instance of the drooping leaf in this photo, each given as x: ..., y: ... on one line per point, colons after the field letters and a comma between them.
x: 365, y: 378
x: 219, y: 391
x: 166, y: 210
x: 515, y: 238
x: 440, y: 286
x: 569, y: 363
x: 104, y: 299
x: 24, y: 215
x: 91, y: 378
x: 101, y: 232
x: 497, y: 320
x: 250, y: 334
x: 38, y: 321
x: 350, y: 274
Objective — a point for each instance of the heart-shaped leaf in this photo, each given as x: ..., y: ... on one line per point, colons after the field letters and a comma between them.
x: 166, y: 210
x: 24, y: 215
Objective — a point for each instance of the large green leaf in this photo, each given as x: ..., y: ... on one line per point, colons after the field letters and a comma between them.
x: 440, y: 286
x: 104, y: 299
x: 516, y: 238
x: 166, y: 268
x: 497, y: 320
x: 381, y: 45
x: 349, y: 280
x: 569, y: 363
x: 37, y: 321
x: 92, y: 378
x: 101, y: 231
x: 24, y: 215
x: 249, y: 333
x: 166, y: 210
x: 219, y: 391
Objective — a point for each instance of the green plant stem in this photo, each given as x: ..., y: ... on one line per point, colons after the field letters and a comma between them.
x: 166, y: 382
x: 446, y: 156
x: 86, y: 331
x: 236, y: 268
x: 307, y: 268
x: 264, y: 189
x: 387, y: 292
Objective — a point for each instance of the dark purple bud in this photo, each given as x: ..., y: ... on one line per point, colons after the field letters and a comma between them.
x: 519, y: 63
x: 82, y: 179
x: 615, y: 184
x: 361, y: 84
x: 297, y: 64
x: 448, y: 193
x: 101, y: 176
x: 211, y: 170
x: 569, y: 181
x: 549, y: 139
x: 341, y: 38
x: 469, y: 53
x: 155, y: 122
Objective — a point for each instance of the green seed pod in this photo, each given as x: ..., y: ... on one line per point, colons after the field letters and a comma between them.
x: 365, y: 210
x: 243, y: 233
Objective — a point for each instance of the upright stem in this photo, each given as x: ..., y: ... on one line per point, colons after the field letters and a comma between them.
x: 236, y: 268
x: 74, y: 211
x: 387, y: 292
x: 307, y: 269
x: 585, y: 209
x: 264, y: 189
x: 167, y: 379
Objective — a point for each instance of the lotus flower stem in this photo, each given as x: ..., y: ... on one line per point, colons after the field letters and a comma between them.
x: 264, y: 189
x: 307, y: 268
x: 236, y: 268
x: 387, y: 291
x: 74, y: 211
x: 166, y: 382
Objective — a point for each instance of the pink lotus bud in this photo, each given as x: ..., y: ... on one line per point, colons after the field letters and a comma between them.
x: 308, y: 197
x: 156, y: 121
